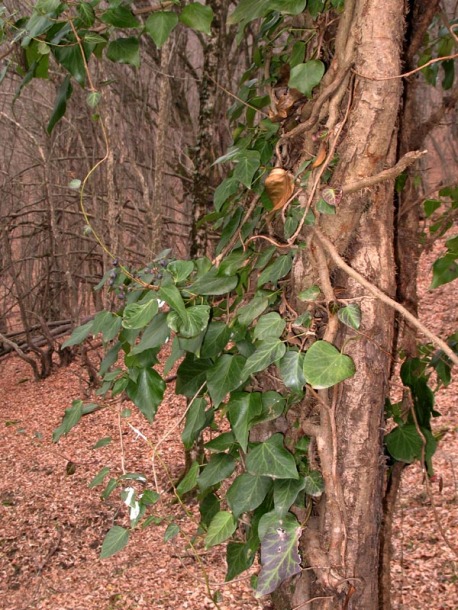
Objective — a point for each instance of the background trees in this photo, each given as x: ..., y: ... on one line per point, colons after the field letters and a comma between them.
x: 290, y: 330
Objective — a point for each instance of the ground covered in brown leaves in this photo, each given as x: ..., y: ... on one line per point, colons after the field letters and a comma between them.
x: 52, y: 524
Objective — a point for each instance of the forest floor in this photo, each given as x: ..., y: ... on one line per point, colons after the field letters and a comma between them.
x: 53, y: 524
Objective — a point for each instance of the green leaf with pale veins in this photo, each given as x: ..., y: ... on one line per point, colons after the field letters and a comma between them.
x: 246, y: 167
x: 171, y: 295
x: 211, y: 284
x: 280, y: 557
x: 285, y: 494
x: 242, y: 408
x: 215, y: 340
x: 313, y: 483
x: 197, y: 17
x: 195, y: 422
x: 220, y: 466
x: 267, y: 352
x: 304, y: 77
x: 125, y: 51
x: 247, y: 492
x: 271, y: 459
x: 225, y: 376
x: 350, y: 315
x: 252, y: 310
x: 189, y: 481
x: 120, y: 17
x: 159, y: 25
x: 137, y: 315
x: 325, y: 366
x: 276, y: 270
x: 239, y: 557
x: 147, y: 392
x: 79, y: 334
x: 222, y: 526
x: 291, y: 370
x: 269, y: 325
x: 115, y: 540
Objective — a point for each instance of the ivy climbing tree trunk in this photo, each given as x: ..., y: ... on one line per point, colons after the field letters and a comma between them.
x: 341, y: 540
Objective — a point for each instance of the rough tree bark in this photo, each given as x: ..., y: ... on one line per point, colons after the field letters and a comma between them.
x: 341, y: 541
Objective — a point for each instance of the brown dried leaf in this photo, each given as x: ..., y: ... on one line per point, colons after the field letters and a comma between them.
x: 279, y: 186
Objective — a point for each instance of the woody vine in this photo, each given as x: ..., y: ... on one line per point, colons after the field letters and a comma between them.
x: 272, y: 331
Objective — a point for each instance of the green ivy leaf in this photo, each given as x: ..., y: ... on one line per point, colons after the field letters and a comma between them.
x: 211, y: 284
x: 159, y: 26
x: 267, y: 352
x: 120, y: 17
x: 155, y: 334
x: 239, y: 557
x: 189, y: 481
x: 180, y: 270
x: 147, y: 392
x: 115, y: 540
x: 171, y: 531
x: 276, y: 270
x: 279, y: 554
x: 350, y: 315
x: 71, y: 417
x: 224, y: 441
x: 309, y: 294
x: 242, y: 409
x: 285, y: 494
x: 247, y: 10
x: 270, y: 325
x: 60, y: 105
x: 405, y: 444
x: 79, y: 334
x: 218, y: 468
x: 171, y: 295
x: 445, y: 270
x: 195, y: 422
x: 304, y: 77
x: 248, y: 164
x: 102, y: 442
x: 252, y: 310
x: 271, y: 459
x: 225, y: 376
x: 272, y: 406
x: 191, y: 374
x: 137, y: 315
x: 313, y: 483
x: 125, y: 51
x: 290, y: 7
x: 292, y: 370
x: 99, y: 477
x: 222, y: 526
x: 215, y: 340
x: 223, y: 191
x: 325, y: 366
x: 198, y: 17
x: 247, y: 492
x: 70, y: 57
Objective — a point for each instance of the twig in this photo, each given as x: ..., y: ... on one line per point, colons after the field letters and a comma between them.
x: 406, y: 74
x: 384, y: 297
x: 387, y: 174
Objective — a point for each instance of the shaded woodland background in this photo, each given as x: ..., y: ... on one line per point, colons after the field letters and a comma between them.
x: 168, y: 122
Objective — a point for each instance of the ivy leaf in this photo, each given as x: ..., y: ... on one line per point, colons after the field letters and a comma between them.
x: 180, y: 270
x: 71, y: 417
x: 211, y: 284
x: 225, y: 376
x: 252, y: 310
x: 304, y: 77
x: 147, y: 392
x: 271, y: 459
x: 272, y: 406
x: 198, y: 17
x: 285, y: 494
x: 247, y: 10
x: 325, y: 366
x: 445, y: 270
x: 125, y: 51
x: 138, y: 315
x: 79, y: 334
x: 223, y: 191
x: 171, y: 531
x: 290, y: 7
x: 195, y: 423
x: 309, y: 294
x: 115, y: 540
x: 292, y: 370
x: 242, y: 409
x: 313, y: 483
x: 120, y: 17
x: 239, y: 557
x: 60, y: 105
x: 279, y: 554
x: 247, y: 492
x: 267, y: 352
x: 196, y: 321
x: 350, y: 315
x: 159, y: 26
x: 276, y: 270
x: 270, y: 325
x: 189, y: 481
x: 191, y: 374
x: 71, y: 59
x: 171, y: 295
x: 222, y: 526
x: 247, y: 166
x: 224, y: 441
x: 155, y: 334
x: 215, y: 340
x: 405, y: 444
x: 218, y: 468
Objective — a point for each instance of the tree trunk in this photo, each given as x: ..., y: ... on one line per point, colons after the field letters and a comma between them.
x: 340, y: 544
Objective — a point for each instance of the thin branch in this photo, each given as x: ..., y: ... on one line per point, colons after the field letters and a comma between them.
x: 384, y: 297
x: 406, y: 74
